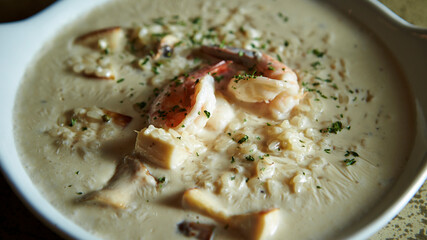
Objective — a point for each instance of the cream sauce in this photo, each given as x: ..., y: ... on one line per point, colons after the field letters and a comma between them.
x: 366, y: 87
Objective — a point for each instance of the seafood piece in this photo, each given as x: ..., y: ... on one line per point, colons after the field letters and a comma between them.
x: 222, y: 115
x: 165, y: 47
x: 106, y: 39
x: 187, y: 103
x: 161, y: 147
x: 270, y: 82
x: 130, y: 175
x: 256, y: 225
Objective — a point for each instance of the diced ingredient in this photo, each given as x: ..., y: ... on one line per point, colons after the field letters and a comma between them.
x: 255, y: 226
x: 165, y: 148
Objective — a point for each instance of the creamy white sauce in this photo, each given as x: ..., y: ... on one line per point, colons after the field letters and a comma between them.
x: 371, y: 96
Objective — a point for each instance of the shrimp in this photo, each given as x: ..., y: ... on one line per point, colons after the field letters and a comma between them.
x: 271, y: 81
x: 187, y: 103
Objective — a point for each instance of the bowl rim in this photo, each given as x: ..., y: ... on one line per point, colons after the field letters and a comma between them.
x: 68, y: 229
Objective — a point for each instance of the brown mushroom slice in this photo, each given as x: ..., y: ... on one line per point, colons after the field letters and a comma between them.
x: 106, y: 39
x: 130, y: 175
x: 256, y: 225
x: 118, y: 118
x: 165, y: 148
x: 165, y: 47
x: 107, y: 74
x: 199, y: 231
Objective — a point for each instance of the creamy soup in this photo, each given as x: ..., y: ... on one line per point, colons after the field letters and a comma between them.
x: 225, y: 119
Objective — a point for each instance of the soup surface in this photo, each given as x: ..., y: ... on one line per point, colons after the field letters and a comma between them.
x: 155, y: 119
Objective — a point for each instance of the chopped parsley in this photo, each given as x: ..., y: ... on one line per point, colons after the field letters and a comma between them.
x: 334, y: 128
x: 349, y: 162
x: 161, y: 180
x: 233, y: 177
x: 250, y: 158
x: 145, y: 61
x: 327, y: 150
x: 120, y: 80
x: 315, y: 64
x: 243, y: 139
x: 208, y: 114
x: 142, y: 105
x: 348, y: 153
x: 317, y: 53
x: 73, y: 122
x: 285, y: 18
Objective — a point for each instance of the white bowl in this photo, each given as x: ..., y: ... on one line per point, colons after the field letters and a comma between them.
x: 21, y: 41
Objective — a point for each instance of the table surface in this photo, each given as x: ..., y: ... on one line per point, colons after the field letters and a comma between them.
x: 19, y: 223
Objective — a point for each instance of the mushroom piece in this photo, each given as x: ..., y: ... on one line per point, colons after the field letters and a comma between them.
x: 256, y: 225
x: 118, y: 118
x: 106, y: 39
x: 130, y: 175
x: 200, y: 231
x: 165, y: 47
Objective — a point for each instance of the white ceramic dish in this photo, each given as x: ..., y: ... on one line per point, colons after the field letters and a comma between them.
x: 21, y: 41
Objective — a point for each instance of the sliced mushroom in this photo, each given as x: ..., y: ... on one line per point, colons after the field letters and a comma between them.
x: 106, y: 39
x: 255, y: 225
x: 165, y: 148
x: 200, y: 231
x: 165, y: 47
x: 118, y: 118
x: 130, y: 175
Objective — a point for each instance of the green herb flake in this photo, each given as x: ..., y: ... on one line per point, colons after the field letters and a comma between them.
x: 232, y: 159
x: 318, y: 53
x: 142, y: 104
x: 334, y: 128
x: 243, y: 139
x: 161, y: 180
x: 315, y: 64
x: 349, y: 162
x: 250, y: 158
x: 73, y: 122
x: 196, y: 20
x: 233, y: 177
x: 145, y: 61
x: 208, y: 114
x: 348, y: 153
x: 327, y: 150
